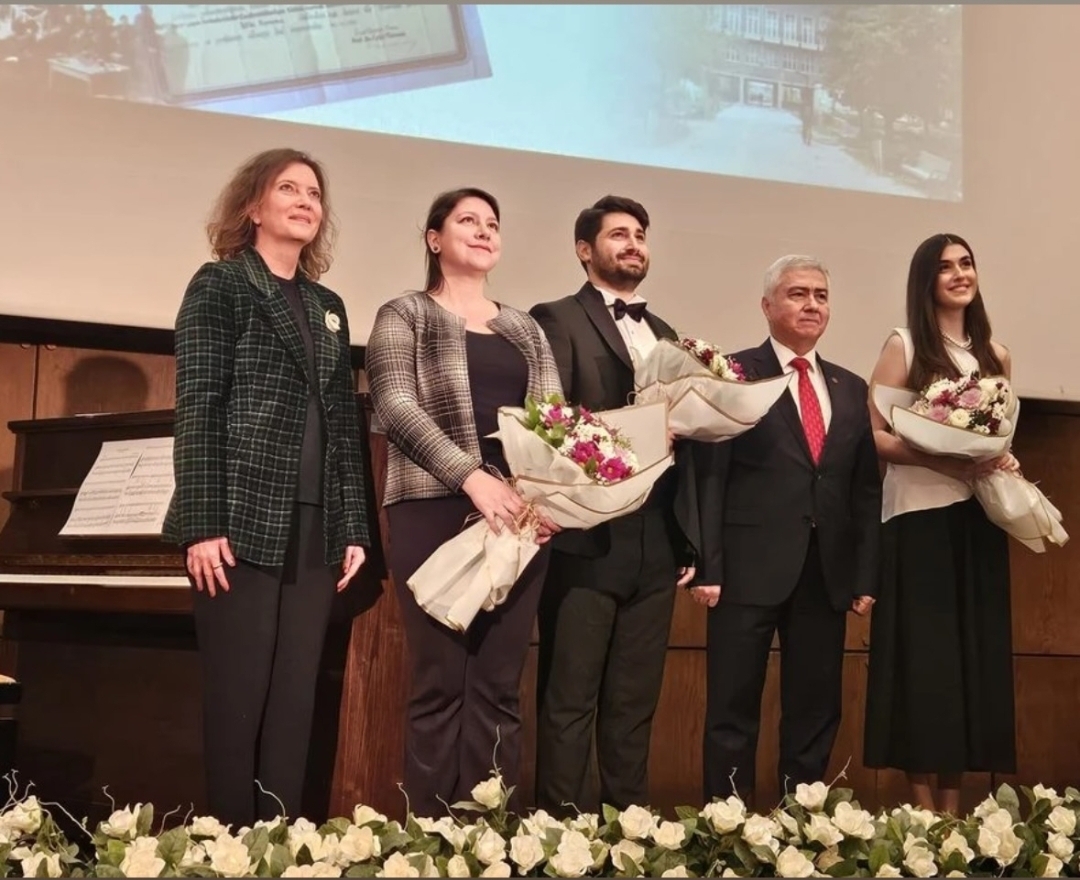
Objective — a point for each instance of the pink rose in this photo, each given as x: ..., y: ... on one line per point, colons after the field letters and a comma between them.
x: 971, y: 398
x: 939, y: 413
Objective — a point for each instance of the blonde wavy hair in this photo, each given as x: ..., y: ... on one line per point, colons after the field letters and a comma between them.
x: 231, y: 230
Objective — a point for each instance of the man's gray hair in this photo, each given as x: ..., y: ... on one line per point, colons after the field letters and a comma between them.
x: 791, y: 263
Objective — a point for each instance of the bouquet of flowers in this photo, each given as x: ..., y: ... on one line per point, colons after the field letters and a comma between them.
x: 578, y: 467
x: 975, y: 417
x: 707, y: 393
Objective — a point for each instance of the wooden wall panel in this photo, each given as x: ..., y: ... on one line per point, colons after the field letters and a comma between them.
x: 74, y: 381
x: 17, y: 366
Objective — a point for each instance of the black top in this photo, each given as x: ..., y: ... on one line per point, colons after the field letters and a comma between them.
x: 310, y: 485
x: 498, y: 376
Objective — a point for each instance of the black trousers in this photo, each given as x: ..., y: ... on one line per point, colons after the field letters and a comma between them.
x: 811, y: 685
x: 260, y: 646
x: 604, y: 625
x: 464, y: 714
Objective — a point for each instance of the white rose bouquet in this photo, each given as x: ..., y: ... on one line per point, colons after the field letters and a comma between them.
x: 707, y: 393
x: 975, y: 417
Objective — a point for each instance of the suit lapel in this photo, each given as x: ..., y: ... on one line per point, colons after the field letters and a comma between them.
x: 769, y: 366
x: 592, y: 301
x: 841, y: 402
x: 327, y: 346
x: 661, y: 329
x: 273, y: 303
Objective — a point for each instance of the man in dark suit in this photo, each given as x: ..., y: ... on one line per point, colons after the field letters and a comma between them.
x: 608, y: 598
x: 791, y: 513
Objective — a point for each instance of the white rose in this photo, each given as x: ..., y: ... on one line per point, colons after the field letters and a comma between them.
x: 457, y: 867
x: 920, y: 861
x: 1041, y: 792
x: 937, y: 388
x: 959, y: 418
x: 791, y: 825
x: 141, y: 858
x: 206, y: 826
x: 317, y: 869
x: 397, y: 866
x: 24, y: 817
x: 999, y: 821
x: 1003, y: 846
x: 1053, y: 866
x: 496, y: 869
x: 828, y: 858
x: 490, y: 847
x: 915, y: 816
x: 669, y: 835
x: 586, y: 823
x: 539, y: 822
x: 573, y: 856
x: 1062, y: 819
x: 195, y: 854
x: 1060, y: 845
x: 31, y: 866
x: 725, y: 816
x: 229, y: 856
x: 489, y: 793
x: 635, y: 852
x: 988, y: 806
x: 792, y: 863
x: 428, y: 868
x: 812, y: 797
x: 820, y: 829
x: 956, y: 842
x: 527, y: 851
x: 853, y: 822
x: 678, y: 871
x: 359, y: 845
x: 122, y: 823
x: 363, y: 814
x: 311, y: 839
x: 636, y: 822
x: 888, y: 870
x: 759, y: 830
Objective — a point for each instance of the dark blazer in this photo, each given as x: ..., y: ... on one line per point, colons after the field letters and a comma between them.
x: 242, y: 388
x: 762, y: 495
x: 596, y: 372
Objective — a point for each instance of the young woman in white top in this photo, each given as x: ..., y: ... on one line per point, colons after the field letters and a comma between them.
x: 940, y: 696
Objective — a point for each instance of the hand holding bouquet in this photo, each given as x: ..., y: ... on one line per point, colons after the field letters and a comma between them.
x: 707, y: 393
x: 975, y: 418
x: 575, y: 467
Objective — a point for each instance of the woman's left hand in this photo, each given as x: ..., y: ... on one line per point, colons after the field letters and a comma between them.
x: 546, y: 529
x: 354, y: 558
x: 1009, y: 463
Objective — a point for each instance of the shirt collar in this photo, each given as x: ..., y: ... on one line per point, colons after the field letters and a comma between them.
x: 609, y: 298
x: 785, y: 355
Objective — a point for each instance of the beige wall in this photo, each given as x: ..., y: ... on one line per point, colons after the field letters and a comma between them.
x: 104, y: 203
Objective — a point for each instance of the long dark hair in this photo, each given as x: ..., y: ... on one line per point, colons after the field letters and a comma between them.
x: 931, y: 361
x: 440, y: 209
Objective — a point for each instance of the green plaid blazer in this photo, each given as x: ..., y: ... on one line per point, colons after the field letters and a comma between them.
x: 241, y: 398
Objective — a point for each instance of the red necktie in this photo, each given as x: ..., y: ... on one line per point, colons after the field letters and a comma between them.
x: 810, y: 408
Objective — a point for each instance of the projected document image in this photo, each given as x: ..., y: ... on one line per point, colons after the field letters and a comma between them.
x: 863, y: 97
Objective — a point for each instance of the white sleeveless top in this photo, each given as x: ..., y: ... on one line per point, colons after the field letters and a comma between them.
x: 907, y: 487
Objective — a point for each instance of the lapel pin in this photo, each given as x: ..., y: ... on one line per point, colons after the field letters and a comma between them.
x: 333, y: 322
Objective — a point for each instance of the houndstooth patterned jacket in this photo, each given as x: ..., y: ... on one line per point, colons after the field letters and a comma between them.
x: 241, y: 400
x: 418, y: 376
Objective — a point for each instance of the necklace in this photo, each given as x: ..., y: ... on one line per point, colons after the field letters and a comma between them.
x: 965, y: 344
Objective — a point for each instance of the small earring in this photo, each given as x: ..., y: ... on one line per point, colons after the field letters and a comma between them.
x: 434, y: 249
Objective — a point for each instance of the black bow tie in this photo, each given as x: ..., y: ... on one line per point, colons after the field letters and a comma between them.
x: 634, y: 310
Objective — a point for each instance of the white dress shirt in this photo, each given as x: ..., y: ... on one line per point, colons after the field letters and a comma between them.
x: 785, y: 355
x: 638, y: 335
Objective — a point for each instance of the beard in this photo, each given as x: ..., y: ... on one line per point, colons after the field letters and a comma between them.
x: 621, y: 277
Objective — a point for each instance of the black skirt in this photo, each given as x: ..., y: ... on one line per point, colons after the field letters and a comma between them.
x: 940, y: 691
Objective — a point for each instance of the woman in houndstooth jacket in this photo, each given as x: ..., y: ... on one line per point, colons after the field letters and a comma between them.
x: 269, y: 501
x: 440, y: 363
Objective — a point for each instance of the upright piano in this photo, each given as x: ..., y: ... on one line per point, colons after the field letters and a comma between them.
x: 100, y: 636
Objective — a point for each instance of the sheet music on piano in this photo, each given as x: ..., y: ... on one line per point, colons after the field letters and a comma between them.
x: 127, y: 492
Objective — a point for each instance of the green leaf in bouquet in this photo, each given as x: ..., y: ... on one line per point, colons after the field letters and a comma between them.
x: 1071, y: 794
x: 625, y: 865
x: 114, y: 853
x: 688, y: 813
x: 1006, y: 797
x: 105, y: 870
x: 172, y: 845
x: 611, y: 815
x: 954, y: 861
x: 145, y: 820
x: 280, y: 859
x: 665, y: 860
x: 846, y: 868
x: 1038, y: 865
x: 365, y: 870
x: 745, y: 855
x: 197, y: 871
x: 764, y: 854
x: 472, y: 806
x: 338, y: 826
x: 836, y: 796
x: 894, y: 831
x: 431, y: 846
x: 257, y: 840
x: 393, y: 838
x: 880, y: 855
x: 303, y: 856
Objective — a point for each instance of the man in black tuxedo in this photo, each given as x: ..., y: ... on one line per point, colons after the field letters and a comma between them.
x: 606, y: 608
x: 790, y: 520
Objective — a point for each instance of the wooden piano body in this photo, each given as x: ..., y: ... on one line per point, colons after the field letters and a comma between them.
x: 100, y: 635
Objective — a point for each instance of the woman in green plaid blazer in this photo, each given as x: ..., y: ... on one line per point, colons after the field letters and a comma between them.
x: 270, y: 501
x: 440, y: 363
